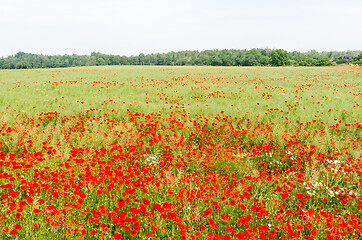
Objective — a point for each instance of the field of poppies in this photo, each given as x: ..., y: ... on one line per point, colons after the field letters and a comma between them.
x: 181, y: 153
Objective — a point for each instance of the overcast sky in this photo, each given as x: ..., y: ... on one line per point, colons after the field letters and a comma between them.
x: 131, y: 27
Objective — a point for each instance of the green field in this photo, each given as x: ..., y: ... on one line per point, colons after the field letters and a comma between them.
x: 182, y: 152
x: 234, y: 90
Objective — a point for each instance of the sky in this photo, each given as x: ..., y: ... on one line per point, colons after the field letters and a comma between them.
x: 131, y: 27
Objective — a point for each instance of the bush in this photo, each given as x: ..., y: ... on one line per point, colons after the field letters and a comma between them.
x: 323, y: 62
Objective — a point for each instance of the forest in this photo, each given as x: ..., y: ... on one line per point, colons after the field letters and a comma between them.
x: 230, y: 57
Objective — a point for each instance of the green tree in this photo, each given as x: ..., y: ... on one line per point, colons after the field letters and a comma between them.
x: 279, y: 57
x: 5, y: 66
x: 159, y: 59
x: 264, y: 61
x: 329, y: 55
x: 249, y: 60
x: 100, y: 62
x: 358, y: 58
x: 323, y: 61
x: 19, y: 54
x: 21, y: 65
x: 141, y: 58
x: 216, y: 61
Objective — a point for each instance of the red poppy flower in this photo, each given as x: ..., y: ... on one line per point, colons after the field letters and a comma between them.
x: 212, y: 223
x: 314, y: 232
x: 117, y: 236
x: 207, y: 213
x: 17, y: 227
x: 225, y: 217
x: 299, y: 227
x: 285, y: 195
x: 145, y: 201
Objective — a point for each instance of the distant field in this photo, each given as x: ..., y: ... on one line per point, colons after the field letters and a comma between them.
x: 184, y: 152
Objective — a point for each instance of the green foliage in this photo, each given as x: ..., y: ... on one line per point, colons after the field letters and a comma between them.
x: 21, y: 65
x: 250, y: 60
x: 264, y: 61
x: 5, y: 66
x: 216, y: 61
x: 359, y: 57
x: 100, y: 62
x: 279, y: 57
x: 303, y: 64
x: 323, y: 62
x: 231, y: 57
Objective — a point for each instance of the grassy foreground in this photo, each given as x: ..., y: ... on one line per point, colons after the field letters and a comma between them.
x: 181, y: 153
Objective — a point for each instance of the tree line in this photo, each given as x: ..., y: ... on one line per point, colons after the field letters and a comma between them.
x: 230, y: 57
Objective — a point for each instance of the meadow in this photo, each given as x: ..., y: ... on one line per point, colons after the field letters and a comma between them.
x: 134, y: 152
